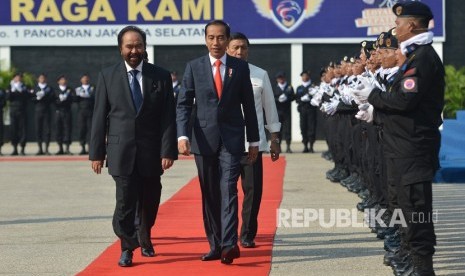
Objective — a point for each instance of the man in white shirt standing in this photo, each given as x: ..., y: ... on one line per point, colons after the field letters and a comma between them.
x: 252, y: 174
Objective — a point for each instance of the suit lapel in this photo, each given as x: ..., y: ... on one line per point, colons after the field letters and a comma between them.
x: 147, y: 81
x: 125, y: 85
x: 228, y: 74
x: 207, y: 68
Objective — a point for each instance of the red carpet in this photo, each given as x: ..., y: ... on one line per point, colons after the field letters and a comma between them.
x: 179, y: 236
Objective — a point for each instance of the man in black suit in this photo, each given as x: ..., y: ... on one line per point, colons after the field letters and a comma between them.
x: 220, y: 85
x: 134, y: 127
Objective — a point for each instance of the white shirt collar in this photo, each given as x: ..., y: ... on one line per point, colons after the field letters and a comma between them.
x: 212, y: 59
x: 129, y: 68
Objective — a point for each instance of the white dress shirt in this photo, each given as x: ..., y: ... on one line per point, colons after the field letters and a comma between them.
x: 222, y: 66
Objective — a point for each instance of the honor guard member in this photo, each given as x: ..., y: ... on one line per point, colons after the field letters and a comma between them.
x: 43, y: 99
x: 63, y: 101
x: 18, y: 95
x: 307, y: 111
x: 176, y: 84
x: 85, y: 95
x: 412, y: 107
x: 284, y: 95
x: 2, y: 104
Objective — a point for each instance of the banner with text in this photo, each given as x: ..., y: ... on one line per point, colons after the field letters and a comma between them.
x: 182, y: 22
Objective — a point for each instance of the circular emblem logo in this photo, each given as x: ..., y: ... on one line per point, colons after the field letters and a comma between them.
x: 381, y: 40
x: 409, y: 84
x: 393, y: 32
x: 399, y: 10
x: 388, y: 42
x: 364, y: 44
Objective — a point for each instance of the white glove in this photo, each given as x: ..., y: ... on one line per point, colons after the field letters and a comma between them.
x: 364, y: 91
x: 366, y: 114
x: 305, y: 98
x: 332, y: 107
x: 312, y: 91
x: 329, y: 90
x: 315, y: 101
x: 40, y: 95
x: 62, y: 97
x: 282, y: 98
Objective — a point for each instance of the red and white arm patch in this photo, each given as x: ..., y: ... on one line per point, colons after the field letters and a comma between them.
x: 410, y: 72
x: 409, y: 85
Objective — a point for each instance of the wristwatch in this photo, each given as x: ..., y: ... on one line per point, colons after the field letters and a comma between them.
x: 276, y: 140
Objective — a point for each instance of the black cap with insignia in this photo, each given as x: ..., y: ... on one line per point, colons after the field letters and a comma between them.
x: 389, y: 40
x: 412, y: 9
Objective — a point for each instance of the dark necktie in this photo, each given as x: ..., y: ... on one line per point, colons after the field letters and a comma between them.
x: 135, y: 90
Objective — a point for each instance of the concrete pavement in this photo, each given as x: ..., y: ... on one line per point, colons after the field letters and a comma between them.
x: 55, y: 218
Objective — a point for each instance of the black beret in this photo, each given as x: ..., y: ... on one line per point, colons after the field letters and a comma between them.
x: 412, y: 8
x: 305, y: 72
x: 388, y: 40
x: 280, y: 74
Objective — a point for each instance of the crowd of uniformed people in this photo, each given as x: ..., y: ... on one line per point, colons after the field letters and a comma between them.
x: 44, y: 96
x: 382, y: 109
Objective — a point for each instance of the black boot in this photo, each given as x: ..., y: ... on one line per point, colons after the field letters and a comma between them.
x: 83, y: 150
x: 46, y: 152
x: 305, y: 147
x: 288, y: 147
x: 311, y: 147
x: 67, y: 150
x: 40, y: 152
x: 1, y: 151
x: 60, y: 150
x: 15, y: 150
x: 22, y: 150
x: 423, y: 265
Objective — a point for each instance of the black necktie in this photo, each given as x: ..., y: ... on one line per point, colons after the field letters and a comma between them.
x: 135, y: 90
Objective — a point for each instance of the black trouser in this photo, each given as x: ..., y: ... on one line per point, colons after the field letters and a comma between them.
x: 356, y: 152
x: 1, y: 127
x: 286, y: 124
x: 340, y: 140
x: 415, y: 198
x: 331, y: 129
x: 84, y: 122
x: 18, y: 126
x: 42, y: 121
x: 252, y: 186
x: 137, y: 201
x: 381, y: 170
x: 308, y: 124
x: 218, y: 175
x: 63, y: 125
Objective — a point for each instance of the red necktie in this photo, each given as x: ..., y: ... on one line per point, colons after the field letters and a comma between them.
x: 218, y: 81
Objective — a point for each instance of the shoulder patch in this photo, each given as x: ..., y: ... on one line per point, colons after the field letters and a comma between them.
x: 409, y: 85
x: 410, y: 72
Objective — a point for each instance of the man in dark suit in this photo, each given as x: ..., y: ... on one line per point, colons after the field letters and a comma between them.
x: 134, y: 127
x: 220, y: 85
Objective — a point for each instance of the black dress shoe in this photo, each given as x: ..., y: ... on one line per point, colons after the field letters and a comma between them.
x: 211, y: 256
x: 247, y: 243
x: 147, y: 252
x: 229, y: 253
x: 126, y: 258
